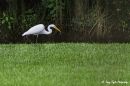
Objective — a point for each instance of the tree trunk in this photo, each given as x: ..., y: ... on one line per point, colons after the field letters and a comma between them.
x: 78, y: 8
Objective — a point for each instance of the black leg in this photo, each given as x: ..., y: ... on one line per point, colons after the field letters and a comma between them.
x: 36, y: 38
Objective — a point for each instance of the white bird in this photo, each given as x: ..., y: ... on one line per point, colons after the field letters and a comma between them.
x: 40, y: 29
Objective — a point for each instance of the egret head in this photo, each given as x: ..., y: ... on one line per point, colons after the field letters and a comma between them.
x: 53, y: 26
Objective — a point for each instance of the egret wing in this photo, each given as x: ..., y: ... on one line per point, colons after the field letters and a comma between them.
x: 36, y: 29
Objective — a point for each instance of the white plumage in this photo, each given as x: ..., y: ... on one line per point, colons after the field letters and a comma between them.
x: 34, y: 30
x: 40, y: 29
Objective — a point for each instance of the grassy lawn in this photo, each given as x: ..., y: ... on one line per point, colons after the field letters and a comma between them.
x: 64, y: 64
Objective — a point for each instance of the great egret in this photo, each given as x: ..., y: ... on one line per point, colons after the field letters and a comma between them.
x: 40, y: 29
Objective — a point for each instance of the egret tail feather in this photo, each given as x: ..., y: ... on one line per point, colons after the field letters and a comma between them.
x: 23, y: 34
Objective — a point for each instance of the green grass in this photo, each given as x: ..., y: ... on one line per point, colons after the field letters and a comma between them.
x: 64, y: 64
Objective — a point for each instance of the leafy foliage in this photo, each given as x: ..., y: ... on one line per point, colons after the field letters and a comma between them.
x: 91, y: 18
x: 55, y: 8
x: 28, y: 19
x: 6, y: 20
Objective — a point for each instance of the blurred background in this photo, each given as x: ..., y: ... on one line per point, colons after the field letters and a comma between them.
x: 79, y: 20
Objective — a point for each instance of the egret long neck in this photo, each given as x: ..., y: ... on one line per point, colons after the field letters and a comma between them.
x: 49, y: 30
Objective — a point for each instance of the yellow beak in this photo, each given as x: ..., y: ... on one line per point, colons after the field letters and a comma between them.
x: 57, y: 29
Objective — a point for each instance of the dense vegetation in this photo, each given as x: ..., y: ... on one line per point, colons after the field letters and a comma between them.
x: 64, y: 64
x: 80, y: 20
